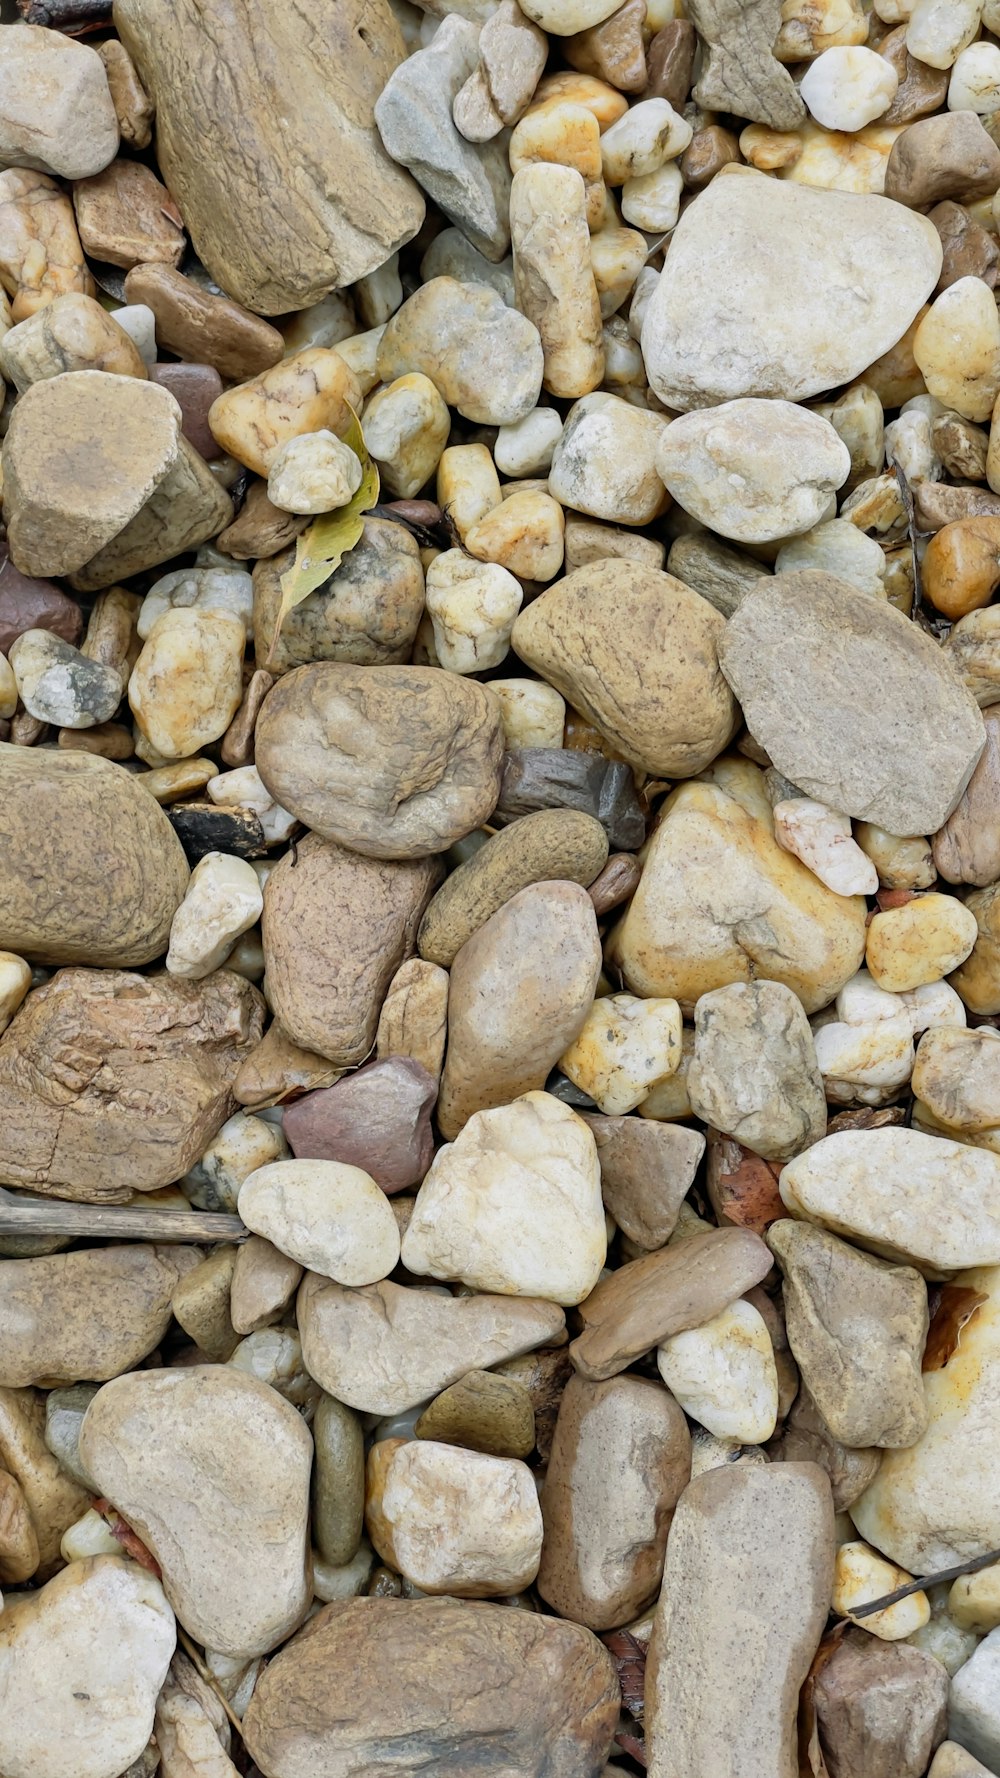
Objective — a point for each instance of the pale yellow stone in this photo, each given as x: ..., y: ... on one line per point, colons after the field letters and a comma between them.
x: 533, y: 713
x: 769, y: 150
x: 919, y: 942
x: 837, y: 547
x: 15, y: 980
x: 455, y: 1521
x: 472, y: 606
x: 222, y: 900
x: 723, y: 1374
x: 875, y: 1056
x: 468, y: 486
x: 975, y: 79
x: 243, y: 1145
x: 562, y: 18
x: 625, y: 1049
x: 861, y: 1575
x: 360, y: 354
x: 315, y: 472
x: 848, y: 87
x: 650, y: 133
x: 617, y: 256
x: 526, y: 447
x: 524, y: 535
x: 512, y: 54
x: 8, y: 688
x: 406, y: 428
x: 901, y: 863
x: 859, y: 418
x: 553, y: 275
x: 169, y: 783
x: 567, y: 133
x: 329, y: 1216
x: 308, y: 392
x: 974, y: 1600
x: 838, y: 161
x: 671, y: 1098
x: 957, y: 347
x: 187, y: 683
x: 413, y: 1020
x: 652, y: 201
x: 90, y: 1536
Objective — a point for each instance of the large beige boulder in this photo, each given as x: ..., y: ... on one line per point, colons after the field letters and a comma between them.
x: 89, y: 1314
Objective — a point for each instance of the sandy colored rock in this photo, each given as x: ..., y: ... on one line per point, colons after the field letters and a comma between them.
x: 452, y: 1520
x: 806, y: 1438
x: 386, y: 1348
x: 40, y: 252
x: 485, y: 358
x: 125, y: 216
x: 553, y: 276
x: 724, y: 1374
x: 646, y: 1301
x: 366, y: 614
x: 92, y: 1313
x: 915, y: 944
x: 521, y: 988
x: 862, y: 1576
x: 957, y: 1076
x: 191, y: 1729
x: 880, y: 1707
x: 952, y: 1761
x: 413, y: 1020
x: 626, y: 1050
x: 112, y: 1083
x: 132, y: 104
x: 482, y: 1412
x: 148, y: 1440
x: 950, y: 156
x: 308, y: 391
x: 278, y: 1068
x: 204, y: 328
x: 264, y: 1282
x: 512, y: 54
x: 338, y: 1488
x: 604, y: 462
x: 72, y: 333
x: 740, y: 72
x: 188, y: 507
x: 421, y: 1670
x: 646, y: 1171
x: 835, y: 650
x: 963, y: 564
x: 754, y: 1074
x: 794, y: 258
x: 18, y: 1543
x: 329, y: 1216
x: 57, y: 115
x: 326, y: 991
x: 753, y: 470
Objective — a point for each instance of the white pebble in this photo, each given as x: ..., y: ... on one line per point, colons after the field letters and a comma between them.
x: 332, y: 1218
x: 406, y: 428
x: 139, y: 323
x: 652, y: 201
x: 822, y: 839
x: 939, y: 30
x: 472, y: 606
x: 848, y: 86
x: 723, y: 1374
x: 315, y: 472
x: 934, y: 1007
x: 533, y: 713
x: 862, y: 1002
x: 15, y: 980
x: 975, y: 79
x: 526, y: 446
x: 862, y: 1575
x: 877, y: 1055
x: 206, y: 589
x: 626, y: 1048
x: 647, y: 135
x: 222, y: 899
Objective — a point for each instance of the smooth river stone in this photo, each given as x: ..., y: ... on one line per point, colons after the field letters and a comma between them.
x: 454, y: 1521
x: 784, y: 290
x: 750, y: 1557
x: 753, y: 470
x: 204, y: 1463
x: 647, y: 1169
x: 378, y: 1118
x: 922, y: 1200
x: 93, y: 1313
x: 754, y: 1073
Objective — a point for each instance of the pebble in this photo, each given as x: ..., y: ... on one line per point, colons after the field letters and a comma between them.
x: 310, y: 391
x: 723, y: 1374
x: 413, y: 1020
x: 454, y: 1521
x: 222, y: 900
x: 822, y: 838
x: 71, y: 333
x: 263, y: 1284
x: 604, y: 462
x: 203, y: 327
x: 468, y: 342
x: 482, y: 1412
x: 548, y: 777
x: 40, y: 250
x: 974, y: 1602
x: 646, y: 1170
x: 378, y: 1118
x: 553, y: 276
x: 472, y: 606
x: 367, y: 614
x: 848, y: 87
x: 57, y: 114
x: 920, y: 942
x: 949, y: 156
x: 314, y: 472
x: 57, y: 683
x: 966, y: 378
x: 91, y: 1313
x: 624, y: 1050
x: 937, y: 33
x: 512, y: 54
x: 186, y: 685
x: 880, y: 1703
x: 753, y: 470
x: 131, y: 102
x: 754, y: 1073
x: 241, y: 1146
x: 125, y: 216
x: 952, y: 1761
x: 974, y: 82
x: 860, y: 1576
x: 329, y: 1216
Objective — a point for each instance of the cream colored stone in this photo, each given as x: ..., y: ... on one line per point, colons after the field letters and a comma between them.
x: 242, y: 1145
x: 360, y: 354
x: 526, y: 447
x: 920, y: 942
x: 413, y: 1020
x: 472, y: 606
x: 524, y: 535
x: 822, y: 839
x: 848, y: 87
x: 831, y: 160
x: 626, y: 1048
x: 533, y: 712
x: 938, y: 30
x: 974, y: 1600
x: 934, y: 1006
x: 187, y: 684
x: 310, y: 391
x: 723, y: 1374
x: 957, y: 347
x: 468, y: 486
x: 330, y: 1217
x: 837, y: 547
x: 379, y: 293
x: 315, y: 472
x: 222, y: 900
x: 513, y: 1205
x: 754, y: 1073
x: 72, y: 333
x: 652, y: 201
x: 90, y: 1536
x: 562, y: 18
x: 274, y: 1356
x: 753, y: 470
x: 553, y: 275
x: 650, y: 133
x: 810, y: 26
x: 512, y: 54
x: 456, y: 1521
x: 57, y: 116
x: 15, y: 980
x: 861, y: 1575
x: 205, y: 589
x: 863, y: 1056
x: 605, y: 461
x: 81, y: 1663
x: 975, y: 79
x: 617, y: 256
x: 8, y: 688
x: 901, y: 863
x: 406, y: 428
x: 886, y: 1189
x: 192, y: 1731
x: 244, y: 788
x: 484, y: 358
x: 909, y: 443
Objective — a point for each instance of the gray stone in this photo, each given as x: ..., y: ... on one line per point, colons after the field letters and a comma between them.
x: 646, y: 1170
x: 64, y: 1411
x: 484, y: 358
x: 974, y: 1704
x: 366, y: 613
x: 754, y: 1073
x: 721, y: 575
x: 57, y: 683
x: 338, y: 1483
x: 741, y: 73
x: 564, y: 778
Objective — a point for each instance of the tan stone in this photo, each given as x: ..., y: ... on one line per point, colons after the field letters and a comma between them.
x: 71, y: 333
x: 950, y: 156
x: 754, y: 1074
x: 646, y: 1171
x: 484, y: 358
x: 259, y: 529
x: 189, y: 506
x: 604, y: 462
x: 957, y: 1077
x: 278, y: 1068
x: 413, y: 1019
x: 740, y: 72
x: 880, y: 1707
x: 926, y: 938
x: 133, y: 106
x: 482, y: 1412
x: 553, y: 277
x: 957, y: 345
x: 18, y: 1543
x: 201, y: 1304
x: 524, y: 535
x: 512, y: 54
x: 263, y: 1284
x: 92, y: 1313
x: 366, y: 614
x: 310, y: 391
x: 125, y: 216
x: 40, y: 252
x: 186, y: 685
x: 967, y: 848
x: 202, y: 328
x: 452, y: 1520
x: 58, y: 116
x: 54, y: 1499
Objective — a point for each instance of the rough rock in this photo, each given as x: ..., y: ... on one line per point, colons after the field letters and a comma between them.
x: 93, y: 1313
x: 646, y: 1171
x: 187, y: 508
x: 366, y: 614
x: 754, y: 1073
x: 56, y: 115
x: 950, y: 156
x: 378, y: 1118
x: 561, y: 778
x: 482, y: 1412
x: 484, y: 357
x: 28, y: 604
x: 72, y: 333
x: 454, y: 1521
x: 264, y: 1282
x: 330, y: 1217
x: 414, y: 1017
x: 957, y: 1077
x: 625, y: 1051
x: 753, y: 470
x: 125, y: 216
x: 806, y: 1438
x: 191, y: 1731
x: 880, y: 1708
x: 967, y: 848
x: 891, y: 735
x: 604, y: 461
x: 740, y: 73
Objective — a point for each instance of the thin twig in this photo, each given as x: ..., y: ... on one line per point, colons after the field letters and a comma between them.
x: 209, y: 1677
x: 122, y: 1222
x: 918, y: 1586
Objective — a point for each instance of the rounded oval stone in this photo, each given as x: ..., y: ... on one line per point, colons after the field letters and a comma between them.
x: 394, y: 762
x: 753, y: 470
x: 338, y: 1484
x: 93, y: 871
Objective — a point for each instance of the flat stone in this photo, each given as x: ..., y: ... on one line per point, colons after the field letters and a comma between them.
x: 148, y: 1440
x: 520, y: 990
x: 56, y: 115
x: 187, y: 508
x: 754, y: 1073
x: 285, y: 233
x: 647, y: 1169
x: 857, y: 1328
x: 70, y: 1695
x: 386, y: 1348
x: 620, y: 1460
x: 647, y: 1300
x: 132, y: 104
x: 880, y: 1707
x: 561, y: 778
x: 748, y: 1545
x: 378, y: 1118
x: 835, y: 650
x: 753, y: 470
x: 482, y: 1412
x: 202, y: 327
x: 721, y: 575
x: 469, y: 181
x: 125, y: 216
x: 366, y: 614
x: 163, y: 1055
x: 773, y: 289
x: 485, y: 358
x: 454, y: 1521
x: 558, y: 1692
x: 93, y: 1313
x: 740, y: 73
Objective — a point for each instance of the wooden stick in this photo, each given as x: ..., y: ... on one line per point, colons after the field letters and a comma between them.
x: 118, y: 1222
x: 208, y: 1676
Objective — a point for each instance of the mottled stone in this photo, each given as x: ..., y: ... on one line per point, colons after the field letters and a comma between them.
x: 880, y: 1707
x: 482, y: 1412
x: 56, y: 115
x: 93, y: 1313
x: 485, y: 358
x: 646, y: 1170
x: 378, y: 1118
x: 754, y: 1074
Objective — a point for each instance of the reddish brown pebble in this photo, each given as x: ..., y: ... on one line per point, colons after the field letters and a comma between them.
x: 742, y: 1186
x: 615, y: 883
x: 194, y: 387
x: 708, y: 151
x: 613, y: 50
x: 238, y: 740
x: 27, y: 604
x: 378, y: 1119
x: 669, y: 61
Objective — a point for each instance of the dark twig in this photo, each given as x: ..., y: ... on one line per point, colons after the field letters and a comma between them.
x: 918, y: 1586
x: 70, y: 16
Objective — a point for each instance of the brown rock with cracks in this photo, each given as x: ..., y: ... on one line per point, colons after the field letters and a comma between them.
x: 969, y: 250
x: 88, y: 1314
x: 202, y: 327
x: 277, y: 1068
x: 378, y: 1119
x: 620, y: 1460
x: 336, y: 926
x: 54, y: 1500
x: 644, y: 1302
x: 260, y: 529
x: 112, y: 1083
x: 708, y: 151
x: 950, y: 156
x: 741, y: 74
x: 133, y: 106
x: 544, y: 1375
x: 126, y: 217
x: 366, y: 614
x: 40, y: 252
x: 806, y: 1438
x: 482, y: 1412
x: 881, y: 1708
x: 967, y: 848
x: 308, y: 201
x: 379, y: 1685
x: 921, y: 88
x: 646, y: 1170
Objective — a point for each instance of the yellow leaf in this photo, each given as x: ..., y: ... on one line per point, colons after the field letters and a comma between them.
x: 321, y: 548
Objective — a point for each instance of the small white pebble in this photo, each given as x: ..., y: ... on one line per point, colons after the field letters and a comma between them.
x: 316, y: 472
x: 848, y: 86
x: 822, y: 839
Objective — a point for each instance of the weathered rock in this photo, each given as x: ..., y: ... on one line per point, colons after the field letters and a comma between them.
x: 650, y: 1299
x: 414, y: 1016
x: 366, y: 614
x: 309, y: 390
x: 204, y: 328
x: 604, y: 461
x: 327, y: 987
x: 957, y: 1077
x: 150, y: 1438
x: 278, y: 1068
x: 646, y: 1171
x: 90, y: 1314
x: 112, y: 1083
x: 427, y: 774
x: 192, y: 1732
x: 482, y: 1412
x: 806, y: 1438
x: 625, y: 1051
x: 561, y: 778
x: 521, y: 988
x: 40, y: 251
x: 56, y: 115
x: 71, y: 1700
x: 740, y: 73
x: 201, y: 1305
x: 796, y: 260
x: 880, y: 1708
x: 286, y: 233
x: 748, y: 1545
x: 485, y: 358
x: 454, y: 1521
x: 951, y: 156
x: 917, y: 943
x: 973, y: 1716
x: 753, y: 470
x: 264, y: 1282
x: 330, y: 1217
x: 724, y: 1374
x: 553, y: 275
x: 188, y: 507
x: 386, y: 1348
x: 72, y: 333
x: 28, y: 604
x: 407, y: 1681
x: 378, y: 1118
x: 857, y: 1329
x: 967, y: 848
x: 890, y: 760
x: 754, y: 1073
x: 125, y: 216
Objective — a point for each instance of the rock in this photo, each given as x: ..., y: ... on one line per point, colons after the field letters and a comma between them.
x: 951, y: 156
x: 120, y: 440
x: 554, y: 777
x: 39, y: 247
x: 693, y: 925
x: 422, y: 727
x: 806, y: 1438
x: 848, y: 87
x: 379, y: 1116
x: 968, y: 249
x: 620, y: 1459
x: 223, y: 899
x: 512, y: 54
x: 921, y: 88
x: 115, y: 902
x: 70, y: 1696
x: 315, y: 472
x: 132, y: 104
x: 753, y: 1545
x: 669, y: 61
x: 973, y: 1718
x: 557, y: 1686
x: 201, y: 1305
x: 386, y: 1348
x: 663, y: 707
x: 406, y: 429
x: 125, y: 216
x: 521, y: 988
x: 648, y: 1300
x: 187, y: 683
x: 259, y: 529
x: 822, y: 838
x: 454, y: 1521
x: 485, y: 358
x: 338, y: 1489
x: 187, y: 508
x: 161, y: 1056
x: 795, y: 259
x: 880, y: 1707
x: 366, y: 614
x: 52, y: 1494
x: 91, y: 1313
x: 27, y: 604
x: 192, y: 1732
x: 754, y: 1073
x: 862, y: 1576
x: 336, y: 927
x: 740, y: 73
x: 472, y: 606
x: 59, y: 684
x: 330, y: 1217
x: 721, y: 575
x: 242, y: 1145
x: 966, y: 379
x: 974, y: 1601
x: 919, y: 942
x: 70, y: 334
x: 550, y: 845
x: 295, y: 240
x: 198, y: 589
x: 202, y: 327
x: 883, y: 1189
x: 753, y: 470
x: 857, y: 1328
x: 413, y: 1020
x: 956, y: 1075
x: 723, y: 1374
x: 57, y: 115
x: 264, y: 1282
x: 604, y: 462
x: 625, y: 1049
x: 148, y: 1440
x: 883, y: 765
x: 952, y: 1761
x: 308, y: 391
x: 553, y: 275
x: 962, y: 564
x: 646, y: 1171
x: 482, y: 1412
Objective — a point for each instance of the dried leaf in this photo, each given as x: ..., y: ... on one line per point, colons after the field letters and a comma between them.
x: 629, y: 1656
x: 956, y: 1307
x: 321, y: 548
x: 130, y: 1540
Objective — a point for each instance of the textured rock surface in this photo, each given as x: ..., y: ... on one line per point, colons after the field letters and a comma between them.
x: 89, y: 1314
x: 646, y: 1170
x: 454, y: 1521
x: 378, y: 1118
x: 754, y: 1073
x: 880, y: 1707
